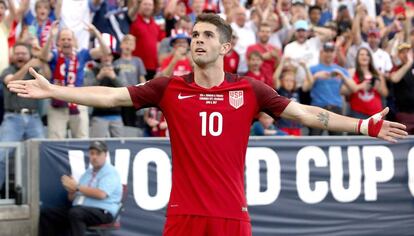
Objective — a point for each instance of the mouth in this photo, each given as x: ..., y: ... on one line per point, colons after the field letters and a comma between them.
x: 199, y: 51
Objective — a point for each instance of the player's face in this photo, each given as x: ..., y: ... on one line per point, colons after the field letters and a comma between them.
x: 205, y: 44
x: 96, y: 158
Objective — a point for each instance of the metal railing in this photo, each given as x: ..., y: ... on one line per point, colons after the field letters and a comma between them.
x: 12, y: 153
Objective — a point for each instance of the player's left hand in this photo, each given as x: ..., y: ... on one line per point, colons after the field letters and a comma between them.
x: 376, y: 126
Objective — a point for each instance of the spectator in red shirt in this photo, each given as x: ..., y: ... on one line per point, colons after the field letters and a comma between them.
x: 178, y: 63
x: 254, y: 63
x: 232, y: 58
x: 147, y: 34
x: 269, y: 53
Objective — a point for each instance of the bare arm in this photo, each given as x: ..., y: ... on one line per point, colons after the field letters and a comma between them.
x: 58, y: 9
x: 316, y: 117
x: 45, y: 53
x: 70, y: 184
x: 12, y: 13
x: 19, y: 75
x: 103, y: 49
x: 399, y: 74
x: 308, y: 82
x: 95, y: 96
x: 92, y: 192
x: 132, y: 9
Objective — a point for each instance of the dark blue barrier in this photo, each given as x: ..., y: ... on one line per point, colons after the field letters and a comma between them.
x: 294, y: 186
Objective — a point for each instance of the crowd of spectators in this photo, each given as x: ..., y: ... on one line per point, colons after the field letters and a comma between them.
x: 351, y: 57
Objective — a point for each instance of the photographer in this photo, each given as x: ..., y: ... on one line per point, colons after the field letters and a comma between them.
x: 107, y: 121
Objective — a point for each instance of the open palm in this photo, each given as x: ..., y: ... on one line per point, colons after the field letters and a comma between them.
x: 37, y: 88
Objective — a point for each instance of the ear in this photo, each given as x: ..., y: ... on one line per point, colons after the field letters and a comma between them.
x: 225, y: 48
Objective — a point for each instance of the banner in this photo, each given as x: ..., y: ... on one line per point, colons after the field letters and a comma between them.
x: 294, y: 186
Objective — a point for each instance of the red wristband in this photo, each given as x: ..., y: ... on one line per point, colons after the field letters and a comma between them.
x: 359, y: 126
x: 374, y: 127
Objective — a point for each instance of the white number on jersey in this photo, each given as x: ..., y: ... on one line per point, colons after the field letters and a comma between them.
x: 215, y: 120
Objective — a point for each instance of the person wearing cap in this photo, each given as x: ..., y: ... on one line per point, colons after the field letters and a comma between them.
x: 402, y: 77
x: 94, y: 197
x: 304, y: 48
x: 178, y: 63
x: 327, y: 83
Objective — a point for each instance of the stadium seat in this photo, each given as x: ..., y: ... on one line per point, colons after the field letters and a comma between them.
x: 104, y: 229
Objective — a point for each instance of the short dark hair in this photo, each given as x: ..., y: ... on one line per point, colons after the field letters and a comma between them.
x: 23, y: 44
x: 255, y: 53
x: 263, y: 24
x: 223, y: 27
x: 314, y: 7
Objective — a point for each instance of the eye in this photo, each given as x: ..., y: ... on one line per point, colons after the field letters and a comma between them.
x: 194, y: 35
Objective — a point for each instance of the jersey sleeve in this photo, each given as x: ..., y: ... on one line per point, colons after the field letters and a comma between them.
x: 148, y: 94
x: 268, y: 99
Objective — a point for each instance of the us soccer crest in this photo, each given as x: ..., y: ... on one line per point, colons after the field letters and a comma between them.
x: 236, y: 98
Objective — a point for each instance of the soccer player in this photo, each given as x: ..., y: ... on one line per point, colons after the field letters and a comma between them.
x: 209, y: 114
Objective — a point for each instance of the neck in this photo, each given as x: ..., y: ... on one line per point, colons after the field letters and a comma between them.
x: 210, y: 76
x: 365, y: 69
x: 126, y: 56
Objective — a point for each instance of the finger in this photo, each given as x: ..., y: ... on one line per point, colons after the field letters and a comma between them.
x: 34, y: 73
x: 398, y: 125
x: 396, y: 135
x: 399, y: 131
x: 18, y: 90
x: 390, y: 139
x: 385, y: 112
x: 24, y: 95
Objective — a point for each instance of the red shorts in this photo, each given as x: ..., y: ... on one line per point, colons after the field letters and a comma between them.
x: 189, y: 225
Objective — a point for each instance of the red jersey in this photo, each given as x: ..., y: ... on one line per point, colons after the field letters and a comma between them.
x: 261, y: 77
x: 182, y: 67
x: 365, y: 102
x: 147, y: 36
x: 231, y: 62
x: 209, y: 131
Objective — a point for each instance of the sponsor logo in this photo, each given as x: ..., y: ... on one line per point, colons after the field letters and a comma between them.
x: 244, y: 209
x: 236, y: 98
x: 185, y: 97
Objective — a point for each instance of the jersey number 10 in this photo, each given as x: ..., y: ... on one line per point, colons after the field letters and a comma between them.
x: 214, y: 125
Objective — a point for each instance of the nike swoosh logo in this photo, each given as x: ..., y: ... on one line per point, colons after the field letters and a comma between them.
x: 184, y: 97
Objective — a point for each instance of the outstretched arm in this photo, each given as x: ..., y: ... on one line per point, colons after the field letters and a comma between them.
x: 374, y: 126
x: 97, y: 96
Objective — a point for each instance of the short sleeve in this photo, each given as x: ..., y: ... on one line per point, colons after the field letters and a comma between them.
x: 268, y: 99
x: 150, y: 93
x: 109, y: 183
x: 5, y: 73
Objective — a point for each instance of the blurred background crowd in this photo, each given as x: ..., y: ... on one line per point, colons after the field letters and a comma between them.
x: 352, y: 57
